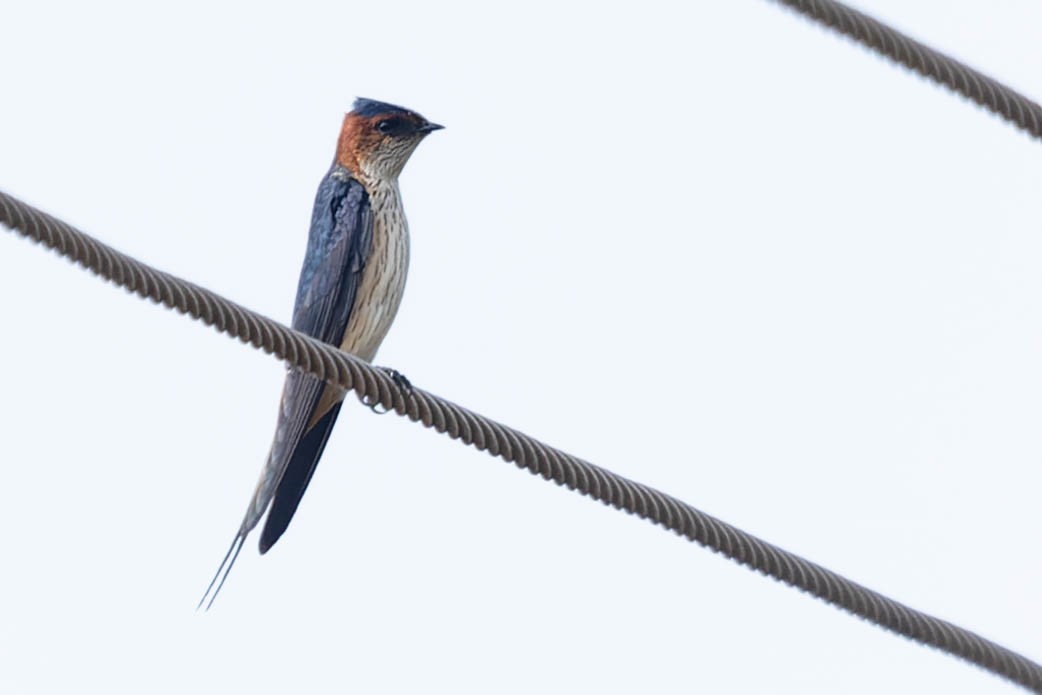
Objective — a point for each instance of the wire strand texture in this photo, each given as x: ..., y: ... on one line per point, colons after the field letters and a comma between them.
x: 998, y: 98
x: 373, y: 385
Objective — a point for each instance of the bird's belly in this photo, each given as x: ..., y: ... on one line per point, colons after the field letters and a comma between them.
x: 383, y: 282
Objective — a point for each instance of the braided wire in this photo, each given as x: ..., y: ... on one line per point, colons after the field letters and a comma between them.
x: 942, y: 69
x: 373, y: 385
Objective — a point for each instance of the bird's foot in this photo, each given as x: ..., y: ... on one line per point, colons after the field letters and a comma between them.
x: 399, y: 379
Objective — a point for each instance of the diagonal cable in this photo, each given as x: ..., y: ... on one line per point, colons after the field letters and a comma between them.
x: 998, y: 98
x: 372, y: 384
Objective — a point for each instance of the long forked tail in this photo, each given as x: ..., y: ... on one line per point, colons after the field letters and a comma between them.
x: 222, y: 572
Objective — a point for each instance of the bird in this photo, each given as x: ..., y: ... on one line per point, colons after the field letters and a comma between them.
x: 350, y: 287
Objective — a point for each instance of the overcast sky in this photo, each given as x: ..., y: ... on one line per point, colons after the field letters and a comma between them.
x: 707, y: 246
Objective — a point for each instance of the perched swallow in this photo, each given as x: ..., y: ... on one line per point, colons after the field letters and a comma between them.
x: 348, y: 294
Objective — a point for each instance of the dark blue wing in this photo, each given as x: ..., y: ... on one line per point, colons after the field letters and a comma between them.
x: 338, y: 246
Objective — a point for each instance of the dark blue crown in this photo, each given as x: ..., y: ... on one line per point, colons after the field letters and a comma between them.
x: 369, y: 108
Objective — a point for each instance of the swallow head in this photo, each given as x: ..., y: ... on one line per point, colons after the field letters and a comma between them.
x: 377, y: 139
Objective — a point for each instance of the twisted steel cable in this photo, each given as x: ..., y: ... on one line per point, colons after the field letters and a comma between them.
x: 373, y: 385
x: 944, y: 70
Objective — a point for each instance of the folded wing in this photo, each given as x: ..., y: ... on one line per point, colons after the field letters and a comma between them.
x: 338, y: 247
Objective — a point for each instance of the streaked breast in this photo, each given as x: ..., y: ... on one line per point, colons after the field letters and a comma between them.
x: 383, y: 280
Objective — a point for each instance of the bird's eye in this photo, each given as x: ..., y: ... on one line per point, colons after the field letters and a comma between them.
x: 390, y: 125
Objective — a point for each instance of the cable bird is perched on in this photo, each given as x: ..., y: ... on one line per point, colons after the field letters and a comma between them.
x: 349, y: 291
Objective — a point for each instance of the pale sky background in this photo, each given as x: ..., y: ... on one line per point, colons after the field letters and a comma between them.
x: 708, y: 246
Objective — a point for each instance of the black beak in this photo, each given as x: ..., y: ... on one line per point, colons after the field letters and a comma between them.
x: 429, y: 127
